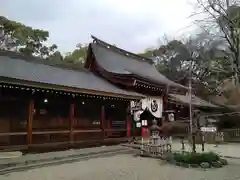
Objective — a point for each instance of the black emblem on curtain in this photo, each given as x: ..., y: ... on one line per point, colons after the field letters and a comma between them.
x: 154, y: 106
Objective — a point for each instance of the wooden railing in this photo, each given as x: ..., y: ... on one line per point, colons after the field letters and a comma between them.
x: 18, y: 140
x: 111, y: 133
x: 13, y: 141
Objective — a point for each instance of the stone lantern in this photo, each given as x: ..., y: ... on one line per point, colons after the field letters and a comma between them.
x: 155, y: 133
x: 157, y: 145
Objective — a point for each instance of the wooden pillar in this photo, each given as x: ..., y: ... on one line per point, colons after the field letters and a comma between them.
x: 128, y: 122
x: 71, y: 122
x: 103, y: 120
x: 30, y: 121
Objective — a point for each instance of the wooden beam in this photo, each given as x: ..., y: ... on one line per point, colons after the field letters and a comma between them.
x: 87, y: 131
x: 13, y: 134
x: 71, y: 122
x: 67, y: 89
x: 50, y: 132
x: 30, y: 121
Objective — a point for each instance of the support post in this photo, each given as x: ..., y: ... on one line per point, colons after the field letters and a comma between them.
x: 71, y: 122
x: 103, y: 120
x: 203, y: 141
x: 164, y: 104
x: 30, y: 121
x: 128, y: 126
x: 182, y: 142
x: 190, y: 108
x: 128, y: 122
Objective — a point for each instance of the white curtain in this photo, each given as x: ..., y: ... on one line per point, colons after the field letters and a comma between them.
x: 153, y: 104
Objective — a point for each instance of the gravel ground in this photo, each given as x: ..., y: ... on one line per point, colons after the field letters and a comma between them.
x: 125, y: 167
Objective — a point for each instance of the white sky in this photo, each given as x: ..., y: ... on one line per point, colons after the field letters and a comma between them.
x: 130, y: 24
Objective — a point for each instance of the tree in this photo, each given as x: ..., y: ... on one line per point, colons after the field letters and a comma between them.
x: 55, y: 56
x: 204, y: 53
x: 147, y: 53
x: 15, y: 36
x: 78, y: 56
x: 222, y: 18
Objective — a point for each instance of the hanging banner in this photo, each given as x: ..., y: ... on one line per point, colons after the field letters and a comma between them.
x: 136, y: 105
x: 138, y: 124
x: 137, y: 115
x: 152, y: 104
x: 144, y: 123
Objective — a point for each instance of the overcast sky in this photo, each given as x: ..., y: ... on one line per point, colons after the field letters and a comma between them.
x: 130, y: 24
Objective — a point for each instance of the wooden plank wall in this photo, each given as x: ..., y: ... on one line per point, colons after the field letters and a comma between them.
x: 39, y: 135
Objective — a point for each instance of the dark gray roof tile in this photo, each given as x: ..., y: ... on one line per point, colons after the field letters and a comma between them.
x: 42, y: 73
x: 195, y: 100
x: 119, y: 63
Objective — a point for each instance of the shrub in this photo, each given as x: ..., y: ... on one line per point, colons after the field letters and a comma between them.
x: 196, y: 158
x: 223, y: 162
x: 217, y: 164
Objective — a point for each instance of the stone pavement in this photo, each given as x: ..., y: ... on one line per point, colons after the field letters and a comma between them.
x: 14, y: 154
x: 124, y: 167
x: 57, y: 155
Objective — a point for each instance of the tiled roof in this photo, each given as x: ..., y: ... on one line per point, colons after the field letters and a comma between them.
x: 195, y: 100
x: 125, y: 63
x: 33, y: 71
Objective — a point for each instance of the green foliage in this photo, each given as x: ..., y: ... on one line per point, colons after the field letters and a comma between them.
x: 216, y: 49
x: 223, y: 21
x: 16, y: 36
x: 203, y: 52
x: 196, y: 158
x: 223, y: 162
x: 78, y: 56
x: 56, y: 56
x: 147, y: 53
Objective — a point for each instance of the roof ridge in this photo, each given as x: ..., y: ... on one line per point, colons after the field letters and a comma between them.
x: 38, y: 60
x: 122, y: 51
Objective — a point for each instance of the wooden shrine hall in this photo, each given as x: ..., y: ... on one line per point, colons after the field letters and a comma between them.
x: 44, y: 105
x: 50, y: 105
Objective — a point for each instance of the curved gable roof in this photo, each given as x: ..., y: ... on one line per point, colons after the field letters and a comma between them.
x: 123, y: 63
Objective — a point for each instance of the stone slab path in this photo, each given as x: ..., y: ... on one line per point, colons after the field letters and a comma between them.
x: 57, y: 155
